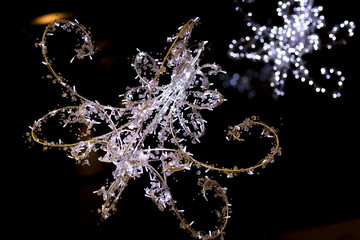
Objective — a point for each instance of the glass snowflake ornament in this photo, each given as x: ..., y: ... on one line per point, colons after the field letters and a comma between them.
x: 149, y: 134
x: 284, y: 46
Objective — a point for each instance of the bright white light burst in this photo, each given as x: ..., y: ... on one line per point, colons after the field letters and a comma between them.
x: 284, y: 46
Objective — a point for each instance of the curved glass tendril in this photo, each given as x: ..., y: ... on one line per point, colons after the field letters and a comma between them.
x: 284, y: 46
x: 149, y: 133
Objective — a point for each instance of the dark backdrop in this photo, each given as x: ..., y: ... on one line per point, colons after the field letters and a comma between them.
x: 314, y: 182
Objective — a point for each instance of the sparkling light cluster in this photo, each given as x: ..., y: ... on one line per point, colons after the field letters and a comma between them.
x: 149, y: 134
x: 284, y: 46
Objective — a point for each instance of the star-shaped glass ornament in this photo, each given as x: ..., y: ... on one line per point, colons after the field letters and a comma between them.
x: 150, y: 133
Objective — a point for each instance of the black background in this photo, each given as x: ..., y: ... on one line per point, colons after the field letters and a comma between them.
x: 314, y: 182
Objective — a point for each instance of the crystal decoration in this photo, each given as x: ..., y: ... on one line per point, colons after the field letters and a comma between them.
x: 284, y: 46
x: 149, y: 134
